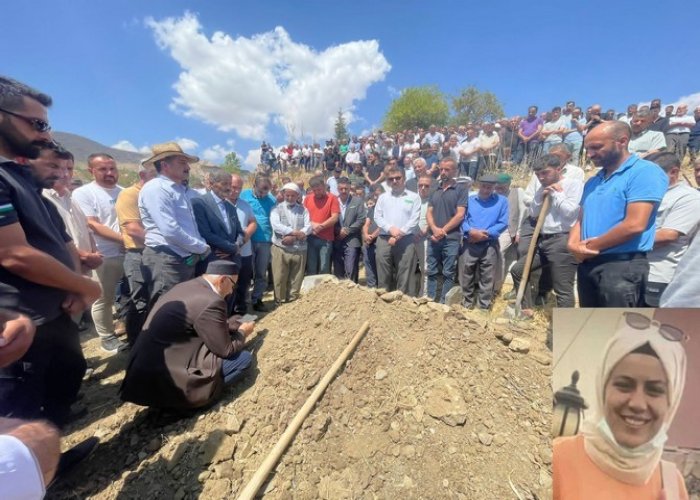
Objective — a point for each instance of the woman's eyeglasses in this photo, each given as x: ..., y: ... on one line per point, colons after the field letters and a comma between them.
x: 36, y: 123
x: 642, y: 322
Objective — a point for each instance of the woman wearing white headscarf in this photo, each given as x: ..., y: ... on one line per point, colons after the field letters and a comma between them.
x: 638, y: 387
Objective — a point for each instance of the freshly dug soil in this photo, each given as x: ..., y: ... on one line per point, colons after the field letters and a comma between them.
x: 436, y: 402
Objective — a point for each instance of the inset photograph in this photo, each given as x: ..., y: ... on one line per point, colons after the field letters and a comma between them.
x: 626, y: 404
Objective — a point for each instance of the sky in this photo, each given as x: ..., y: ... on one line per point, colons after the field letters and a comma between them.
x: 223, y: 75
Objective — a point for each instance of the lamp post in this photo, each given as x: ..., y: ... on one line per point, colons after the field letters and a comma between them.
x: 568, y: 409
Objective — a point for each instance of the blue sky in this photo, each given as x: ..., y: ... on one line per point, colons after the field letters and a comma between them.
x: 112, y: 67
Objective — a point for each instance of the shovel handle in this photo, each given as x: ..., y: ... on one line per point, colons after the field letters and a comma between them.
x: 531, y: 254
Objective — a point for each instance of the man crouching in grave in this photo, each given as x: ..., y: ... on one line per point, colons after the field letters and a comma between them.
x: 189, y: 350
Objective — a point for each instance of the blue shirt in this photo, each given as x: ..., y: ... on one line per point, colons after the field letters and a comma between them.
x: 262, y: 207
x: 490, y: 214
x: 604, y: 201
x: 167, y: 217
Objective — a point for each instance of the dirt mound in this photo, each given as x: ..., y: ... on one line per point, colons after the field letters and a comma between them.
x: 433, y: 404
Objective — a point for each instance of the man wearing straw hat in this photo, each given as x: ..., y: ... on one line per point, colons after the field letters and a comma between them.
x: 173, y: 245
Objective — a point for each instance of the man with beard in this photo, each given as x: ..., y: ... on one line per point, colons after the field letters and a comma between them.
x: 446, y: 210
x: 615, y: 227
x: 97, y: 201
x: 38, y: 265
x: 173, y: 243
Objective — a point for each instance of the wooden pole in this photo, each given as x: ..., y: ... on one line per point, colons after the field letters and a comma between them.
x: 531, y: 254
x: 286, y: 438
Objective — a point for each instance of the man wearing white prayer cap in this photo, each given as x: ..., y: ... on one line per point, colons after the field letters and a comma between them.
x: 290, y: 226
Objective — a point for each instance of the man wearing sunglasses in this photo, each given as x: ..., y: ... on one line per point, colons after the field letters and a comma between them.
x: 397, y: 215
x: 189, y: 348
x: 39, y: 268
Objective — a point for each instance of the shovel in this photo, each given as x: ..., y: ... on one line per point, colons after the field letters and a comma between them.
x: 530, y: 256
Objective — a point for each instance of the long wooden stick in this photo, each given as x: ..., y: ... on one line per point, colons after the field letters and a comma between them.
x: 285, y: 439
x: 531, y: 254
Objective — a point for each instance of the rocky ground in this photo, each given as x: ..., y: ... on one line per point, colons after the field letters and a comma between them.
x: 436, y: 402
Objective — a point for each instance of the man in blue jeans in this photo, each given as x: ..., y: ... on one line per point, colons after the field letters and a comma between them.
x: 446, y: 209
x: 261, y: 202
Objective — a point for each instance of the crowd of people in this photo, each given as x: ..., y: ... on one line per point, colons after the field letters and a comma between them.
x: 418, y: 212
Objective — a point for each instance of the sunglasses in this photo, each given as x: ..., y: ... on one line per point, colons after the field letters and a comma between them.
x: 642, y: 322
x: 394, y: 179
x: 36, y: 123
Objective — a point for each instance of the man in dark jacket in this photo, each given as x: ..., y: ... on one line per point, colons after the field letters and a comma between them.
x: 189, y: 349
x: 348, y: 238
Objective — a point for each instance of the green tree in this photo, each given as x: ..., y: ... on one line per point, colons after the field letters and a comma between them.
x: 232, y: 163
x: 341, y: 128
x: 472, y: 105
x: 417, y: 107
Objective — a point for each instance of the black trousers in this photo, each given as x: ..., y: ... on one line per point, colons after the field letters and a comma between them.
x: 551, y: 255
x: 46, y: 380
x: 607, y: 281
x: 245, y: 277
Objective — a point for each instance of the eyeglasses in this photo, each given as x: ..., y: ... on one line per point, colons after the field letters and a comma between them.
x: 36, y: 123
x: 642, y: 322
x: 233, y: 281
x: 394, y: 179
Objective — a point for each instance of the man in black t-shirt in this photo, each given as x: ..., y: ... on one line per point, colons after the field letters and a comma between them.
x: 38, y: 263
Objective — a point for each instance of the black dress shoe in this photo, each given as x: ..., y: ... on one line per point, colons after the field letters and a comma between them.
x: 259, y: 306
x: 71, y: 458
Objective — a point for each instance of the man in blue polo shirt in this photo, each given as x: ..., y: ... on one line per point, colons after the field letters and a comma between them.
x: 615, y: 229
x: 262, y: 202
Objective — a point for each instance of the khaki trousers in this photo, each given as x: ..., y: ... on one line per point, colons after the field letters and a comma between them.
x: 287, y: 273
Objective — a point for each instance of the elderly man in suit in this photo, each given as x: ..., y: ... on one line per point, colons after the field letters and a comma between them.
x: 189, y: 349
x: 217, y: 219
x: 348, y: 233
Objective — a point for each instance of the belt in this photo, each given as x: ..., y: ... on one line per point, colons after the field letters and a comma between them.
x: 553, y: 235
x: 167, y: 250
x: 616, y: 257
x: 134, y: 250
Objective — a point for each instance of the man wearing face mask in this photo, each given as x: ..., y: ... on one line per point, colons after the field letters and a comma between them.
x: 189, y: 350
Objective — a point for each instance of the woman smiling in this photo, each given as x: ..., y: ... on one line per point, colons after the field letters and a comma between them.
x: 638, y: 387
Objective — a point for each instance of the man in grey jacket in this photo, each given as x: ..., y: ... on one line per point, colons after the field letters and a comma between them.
x: 347, y: 243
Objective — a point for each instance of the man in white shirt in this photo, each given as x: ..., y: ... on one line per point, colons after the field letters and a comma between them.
x: 397, y: 214
x: 97, y: 201
x: 249, y: 226
x: 489, y: 141
x: 568, y: 171
x: 469, y: 155
x: 433, y: 137
x: 679, y: 131
x: 551, y: 251
x: 352, y: 158
x: 553, y: 131
x: 645, y: 142
x: 631, y: 111
x: 677, y: 223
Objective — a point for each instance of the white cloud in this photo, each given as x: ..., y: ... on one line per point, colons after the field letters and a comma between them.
x: 393, y: 92
x: 691, y: 100
x: 125, y: 145
x: 215, y: 153
x: 244, y: 84
x: 186, y: 144
x: 252, y: 159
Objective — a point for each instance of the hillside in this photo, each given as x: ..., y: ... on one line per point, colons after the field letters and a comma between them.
x: 82, y: 147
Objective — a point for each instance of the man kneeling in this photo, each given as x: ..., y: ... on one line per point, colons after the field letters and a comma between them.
x: 188, y: 349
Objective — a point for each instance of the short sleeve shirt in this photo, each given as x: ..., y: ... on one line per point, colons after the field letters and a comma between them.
x: 127, y: 208
x: 21, y: 202
x: 321, y: 210
x: 679, y: 210
x: 96, y: 201
x: 605, y: 201
x: 444, y: 203
x: 245, y: 215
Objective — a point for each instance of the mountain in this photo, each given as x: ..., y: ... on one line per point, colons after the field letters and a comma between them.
x: 82, y: 147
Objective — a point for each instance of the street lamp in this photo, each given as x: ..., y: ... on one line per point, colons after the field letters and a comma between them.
x: 568, y: 409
